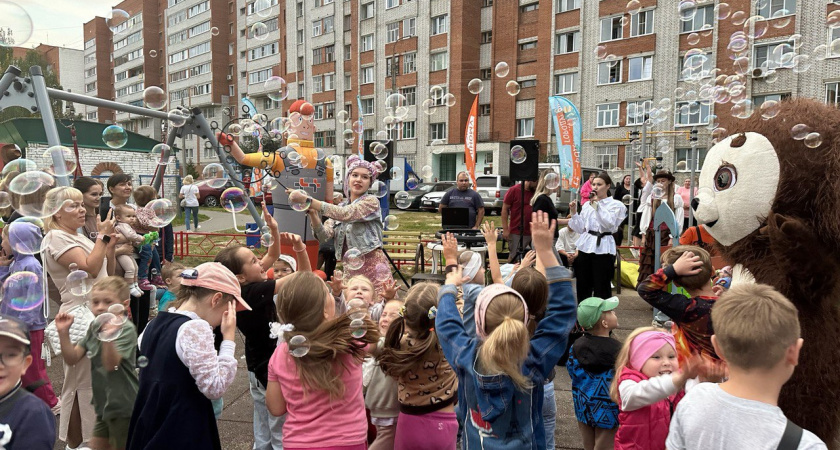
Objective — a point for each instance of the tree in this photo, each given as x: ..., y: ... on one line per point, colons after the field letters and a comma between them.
x: 190, y: 169
x: 31, y: 58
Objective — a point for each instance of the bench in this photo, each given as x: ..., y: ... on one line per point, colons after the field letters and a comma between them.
x: 402, y: 247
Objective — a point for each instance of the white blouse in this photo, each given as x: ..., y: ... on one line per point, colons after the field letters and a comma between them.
x: 605, y: 219
x: 645, y: 206
x: 213, y: 373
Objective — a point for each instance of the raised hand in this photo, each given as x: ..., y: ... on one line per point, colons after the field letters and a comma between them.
x: 337, y: 283
x: 297, y: 196
x: 106, y: 226
x: 456, y: 276
x: 573, y: 207
x: 229, y: 322
x: 63, y: 321
x: 450, y: 248
x: 295, y: 239
x: 390, y: 289
x: 688, y: 264
x: 542, y: 231
x: 488, y: 230
x: 529, y: 259
x: 269, y: 220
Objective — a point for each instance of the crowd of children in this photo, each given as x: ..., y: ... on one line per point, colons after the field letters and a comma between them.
x: 331, y: 365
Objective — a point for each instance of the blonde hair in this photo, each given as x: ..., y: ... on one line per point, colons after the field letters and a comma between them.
x: 623, y: 360
x: 188, y: 179
x: 397, y: 361
x: 508, y: 341
x: 691, y: 282
x: 116, y: 284
x: 541, y: 188
x: 54, y: 199
x: 360, y: 279
x: 144, y: 194
x: 171, y: 269
x: 754, y: 326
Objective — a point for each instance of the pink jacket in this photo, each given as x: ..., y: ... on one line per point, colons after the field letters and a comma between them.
x: 644, y: 428
x: 584, y: 192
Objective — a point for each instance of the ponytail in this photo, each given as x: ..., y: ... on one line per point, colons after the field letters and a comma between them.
x: 419, y: 312
x: 508, y: 341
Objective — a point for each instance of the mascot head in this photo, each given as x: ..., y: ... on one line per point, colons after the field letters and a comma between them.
x: 761, y: 168
x: 303, y: 123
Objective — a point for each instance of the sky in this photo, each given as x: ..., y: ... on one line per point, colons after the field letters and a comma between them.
x: 58, y: 22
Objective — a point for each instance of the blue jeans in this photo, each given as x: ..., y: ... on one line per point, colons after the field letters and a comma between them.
x: 147, y: 255
x: 549, y: 413
x: 190, y: 210
x: 268, y: 429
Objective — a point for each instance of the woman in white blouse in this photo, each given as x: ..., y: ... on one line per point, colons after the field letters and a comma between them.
x: 599, y: 218
x: 658, y: 189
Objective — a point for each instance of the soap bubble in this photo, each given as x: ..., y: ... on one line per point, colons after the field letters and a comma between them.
x: 233, y: 200
x: 353, y: 259
x: 633, y: 7
x: 394, y: 101
x: 64, y: 153
x: 234, y: 129
x: 833, y: 19
x: 25, y: 243
x: 379, y: 189
x: 262, y: 8
x: 160, y: 154
x: 357, y: 328
x: 79, y: 283
x: 834, y: 47
x: 119, y: 312
x: 5, y: 200
x: 428, y: 106
x: 298, y: 346
x: 739, y: 17
x: 214, y: 175
x: 142, y: 362
x: 813, y: 140
x: 154, y: 97
x: 392, y: 222
x: 518, y: 154
x: 343, y: 116
x: 626, y: 199
x: 349, y: 136
x: 436, y: 92
x: 742, y: 110
x: 382, y: 135
x: 600, y: 52
x: 801, y: 63
x: 449, y: 100
x: 114, y: 136
x: 512, y: 88
x: 502, y: 69
x: 266, y: 240
x: 28, y: 183
x: 356, y: 308
x: 402, y: 200
x: 552, y: 180
x: 303, y: 205
x: 657, y: 192
x: 800, y: 131
x: 722, y: 11
x: 686, y: 10
x: 152, y: 53
x: 427, y: 173
x: 214, y: 31
x: 259, y: 31
x: 163, y: 211
x: 22, y: 291
x: 755, y: 27
x: 382, y: 272
x: 107, y: 327
x: 782, y: 18
x: 475, y: 86
x: 769, y: 109
x: 115, y: 19
x: 693, y: 39
x: 177, y: 117
x: 396, y: 174
x: 19, y: 165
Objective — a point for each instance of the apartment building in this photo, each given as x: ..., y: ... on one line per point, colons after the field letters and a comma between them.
x: 66, y: 63
x: 98, y: 73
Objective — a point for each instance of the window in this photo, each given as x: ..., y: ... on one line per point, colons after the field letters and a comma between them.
x: 199, y: 29
x: 201, y: 89
x: 439, y: 25
x: 696, y: 19
x: 409, y: 130
x: 607, y: 115
x: 641, y: 23
x: 486, y: 73
x: 409, y: 27
x: 686, y: 155
x: 525, y: 127
x: 90, y: 43
x: 130, y: 39
x: 175, y: 19
x: 691, y: 113
x: 252, y: 7
x: 410, y: 94
x: 487, y: 3
x: 609, y: 72
x: 91, y: 116
x: 347, y: 52
x: 484, y: 110
x: 640, y: 68
x: 439, y: 61
x: 367, y: 42
x: 329, y: 53
x: 325, y: 138
x: 440, y: 101
x: 392, y: 63
x: 704, y: 71
x: 300, y: 37
x: 90, y: 72
x: 567, y: 42
x: 772, y: 56
x: 317, y: 85
x: 329, y: 82
x: 367, y: 106
x: 316, y: 28
x: 759, y: 99
x: 347, y: 82
x: 90, y: 87
x: 833, y: 36
x: 567, y: 5
x: 392, y: 32
x: 198, y: 9
x: 529, y: 7
x: 409, y: 65
x: 318, y: 114
x: 329, y: 24
x: 391, y: 4
x: 259, y: 76
x: 367, y: 75
x: 611, y: 29
x: 300, y: 62
x: 368, y: 10
x: 316, y: 56
x: 486, y: 37
x: 636, y: 111
x: 527, y: 45
x: 565, y: 83
x: 299, y: 9
x: 528, y: 83
x: 262, y: 51
x: 348, y: 22
x: 606, y: 157
x: 437, y: 131
x: 776, y: 8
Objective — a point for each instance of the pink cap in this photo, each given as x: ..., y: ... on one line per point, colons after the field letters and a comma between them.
x: 215, y: 276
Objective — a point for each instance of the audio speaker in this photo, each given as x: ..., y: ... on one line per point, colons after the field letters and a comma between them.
x: 389, y: 160
x: 529, y: 169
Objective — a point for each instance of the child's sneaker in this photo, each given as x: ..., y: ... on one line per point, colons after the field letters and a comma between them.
x: 158, y: 281
x: 145, y: 285
x: 135, y: 290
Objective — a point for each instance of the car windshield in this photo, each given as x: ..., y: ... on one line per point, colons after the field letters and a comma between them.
x: 425, y: 187
x: 442, y: 187
x: 486, y: 182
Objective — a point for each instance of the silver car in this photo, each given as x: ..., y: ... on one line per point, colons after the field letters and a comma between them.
x: 492, y: 189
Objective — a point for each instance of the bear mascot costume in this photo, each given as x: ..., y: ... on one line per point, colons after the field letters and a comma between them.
x: 771, y: 199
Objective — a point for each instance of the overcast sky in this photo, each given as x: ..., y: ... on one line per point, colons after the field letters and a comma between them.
x: 59, y: 22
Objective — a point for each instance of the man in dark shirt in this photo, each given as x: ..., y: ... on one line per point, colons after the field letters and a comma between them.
x: 464, y: 197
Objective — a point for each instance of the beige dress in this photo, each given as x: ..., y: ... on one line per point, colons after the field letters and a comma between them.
x: 77, y: 377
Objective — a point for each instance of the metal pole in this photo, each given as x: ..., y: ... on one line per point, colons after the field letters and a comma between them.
x: 116, y: 106
x: 695, y: 158
x: 42, y: 100
x: 11, y: 73
x: 161, y: 169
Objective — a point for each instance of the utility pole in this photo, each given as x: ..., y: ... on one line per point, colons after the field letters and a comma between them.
x: 694, y: 160
x: 634, y: 136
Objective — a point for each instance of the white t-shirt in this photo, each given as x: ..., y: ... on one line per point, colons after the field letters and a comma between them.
x: 190, y: 192
x: 709, y: 418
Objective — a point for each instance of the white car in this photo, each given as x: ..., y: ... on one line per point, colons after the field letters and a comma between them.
x: 431, y: 201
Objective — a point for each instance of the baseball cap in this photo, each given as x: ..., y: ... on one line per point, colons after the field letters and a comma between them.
x: 215, y: 276
x: 589, y: 311
x: 288, y: 260
x: 11, y: 327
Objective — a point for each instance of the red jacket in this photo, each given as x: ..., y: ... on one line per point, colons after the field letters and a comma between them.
x: 645, y: 428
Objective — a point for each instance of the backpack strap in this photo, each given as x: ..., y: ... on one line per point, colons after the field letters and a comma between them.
x: 791, y: 437
x: 699, y: 240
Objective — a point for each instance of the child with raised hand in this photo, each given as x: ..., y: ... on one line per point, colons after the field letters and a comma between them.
x: 381, y: 391
x: 112, y: 349
x: 689, y: 267
x: 315, y: 374
x: 27, y: 421
x: 757, y: 333
x: 183, y: 372
x: 648, y: 383
x: 427, y: 384
x: 591, y: 366
x: 503, y: 368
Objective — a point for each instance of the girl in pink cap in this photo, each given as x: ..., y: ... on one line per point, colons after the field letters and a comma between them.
x: 648, y: 384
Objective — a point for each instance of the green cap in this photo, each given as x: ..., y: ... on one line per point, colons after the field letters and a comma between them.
x: 589, y: 311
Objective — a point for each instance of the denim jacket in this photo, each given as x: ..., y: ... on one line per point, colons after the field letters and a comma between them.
x: 499, y: 416
x: 355, y: 225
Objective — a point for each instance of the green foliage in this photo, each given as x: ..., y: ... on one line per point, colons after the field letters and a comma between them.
x: 190, y: 169
x: 31, y: 58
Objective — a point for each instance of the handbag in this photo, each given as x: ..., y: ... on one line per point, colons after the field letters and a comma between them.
x: 183, y: 202
x: 81, y: 322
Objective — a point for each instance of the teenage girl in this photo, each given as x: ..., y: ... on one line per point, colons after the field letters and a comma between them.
x: 184, y: 372
x: 315, y: 374
x: 503, y: 369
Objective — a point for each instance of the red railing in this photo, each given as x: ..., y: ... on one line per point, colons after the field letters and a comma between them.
x: 206, y: 245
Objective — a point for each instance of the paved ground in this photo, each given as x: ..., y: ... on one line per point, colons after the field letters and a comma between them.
x: 218, y: 220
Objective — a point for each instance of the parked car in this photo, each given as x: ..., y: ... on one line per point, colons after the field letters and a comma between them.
x: 416, y: 195
x: 209, y: 196
x: 431, y: 200
x: 492, y: 189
